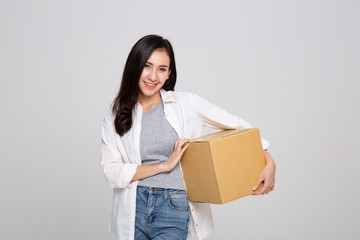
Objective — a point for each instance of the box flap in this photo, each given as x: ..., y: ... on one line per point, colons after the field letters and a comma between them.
x: 219, y: 135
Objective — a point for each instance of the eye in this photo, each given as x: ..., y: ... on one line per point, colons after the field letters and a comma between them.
x: 147, y: 66
x: 162, y: 69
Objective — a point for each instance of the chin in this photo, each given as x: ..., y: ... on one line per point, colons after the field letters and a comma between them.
x: 150, y: 93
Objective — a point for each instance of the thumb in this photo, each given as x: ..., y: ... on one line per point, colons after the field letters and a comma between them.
x: 257, y: 184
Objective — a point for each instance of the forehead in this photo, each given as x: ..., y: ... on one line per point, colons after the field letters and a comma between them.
x: 160, y: 57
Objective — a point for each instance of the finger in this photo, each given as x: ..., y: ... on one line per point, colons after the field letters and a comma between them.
x: 270, y: 186
x: 264, y: 189
x: 257, y: 191
x: 182, y: 144
x: 184, y: 148
x: 184, y: 140
x: 179, y: 145
x: 269, y: 189
x: 259, y: 181
x: 261, y: 192
x: 178, y: 142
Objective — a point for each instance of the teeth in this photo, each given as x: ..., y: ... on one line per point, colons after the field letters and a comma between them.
x: 151, y: 85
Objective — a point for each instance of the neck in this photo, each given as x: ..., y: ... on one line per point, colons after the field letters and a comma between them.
x: 148, y: 102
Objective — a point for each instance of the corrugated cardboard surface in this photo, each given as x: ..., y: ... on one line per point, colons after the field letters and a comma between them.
x: 223, y: 166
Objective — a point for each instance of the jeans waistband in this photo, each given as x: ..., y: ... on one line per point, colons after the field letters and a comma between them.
x: 155, y: 190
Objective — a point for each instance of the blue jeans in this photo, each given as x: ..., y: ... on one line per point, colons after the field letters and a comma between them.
x: 161, y: 214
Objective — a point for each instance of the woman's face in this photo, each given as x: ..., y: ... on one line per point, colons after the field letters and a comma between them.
x: 155, y: 73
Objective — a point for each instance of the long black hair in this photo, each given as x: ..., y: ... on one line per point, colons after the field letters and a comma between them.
x: 127, y: 97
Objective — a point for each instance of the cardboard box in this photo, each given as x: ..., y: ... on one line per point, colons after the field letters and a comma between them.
x: 223, y: 166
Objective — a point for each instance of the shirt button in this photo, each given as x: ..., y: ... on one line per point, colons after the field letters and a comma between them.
x: 192, y: 210
x: 166, y: 115
x: 197, y: 225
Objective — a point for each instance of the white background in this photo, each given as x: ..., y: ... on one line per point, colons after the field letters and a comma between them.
x: 290, y: 68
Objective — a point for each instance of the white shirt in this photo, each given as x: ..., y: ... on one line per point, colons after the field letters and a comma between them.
x: 186, y: 113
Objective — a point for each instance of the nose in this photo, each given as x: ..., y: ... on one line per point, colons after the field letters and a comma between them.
x: 153, y: 75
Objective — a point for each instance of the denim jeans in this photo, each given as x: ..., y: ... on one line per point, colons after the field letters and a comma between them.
x: 161, y: 214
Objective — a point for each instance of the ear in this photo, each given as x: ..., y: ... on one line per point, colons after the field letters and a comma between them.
x: 169, y: 74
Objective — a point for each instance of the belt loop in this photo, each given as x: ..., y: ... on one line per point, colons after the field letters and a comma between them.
x: 166, y: 194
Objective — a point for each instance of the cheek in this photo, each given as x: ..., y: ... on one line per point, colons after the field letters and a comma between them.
x: 165, y: 76
x: 143, y: 74
x: 163, y: 80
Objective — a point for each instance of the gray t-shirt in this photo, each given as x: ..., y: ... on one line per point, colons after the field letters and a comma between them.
x: 157, y: 140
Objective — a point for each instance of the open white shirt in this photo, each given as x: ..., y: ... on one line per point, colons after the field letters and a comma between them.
x: 186, y: 113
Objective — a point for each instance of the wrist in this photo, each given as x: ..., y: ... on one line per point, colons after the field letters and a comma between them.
x: 268, y: 158
x: 163, y: 167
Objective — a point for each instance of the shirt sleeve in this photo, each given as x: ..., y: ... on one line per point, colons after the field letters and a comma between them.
x: 117, y: 173
x: 215, y: 117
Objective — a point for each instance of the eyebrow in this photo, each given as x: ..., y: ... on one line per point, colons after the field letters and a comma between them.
x: 159, y: 66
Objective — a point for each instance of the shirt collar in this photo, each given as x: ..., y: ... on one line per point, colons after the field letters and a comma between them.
x: 167, y: 96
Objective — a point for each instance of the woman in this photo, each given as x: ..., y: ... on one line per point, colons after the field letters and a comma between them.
x: 144, y: 135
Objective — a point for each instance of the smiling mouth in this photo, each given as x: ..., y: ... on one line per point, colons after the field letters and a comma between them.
x: 150, y: 85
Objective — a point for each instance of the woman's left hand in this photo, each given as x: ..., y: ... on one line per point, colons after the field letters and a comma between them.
x: 267, y: 176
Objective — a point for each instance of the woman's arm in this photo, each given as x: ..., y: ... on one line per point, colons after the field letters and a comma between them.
x: 267, y: 176
x: 144, y: 171
x: 117, y: 172
x: 215, y: 117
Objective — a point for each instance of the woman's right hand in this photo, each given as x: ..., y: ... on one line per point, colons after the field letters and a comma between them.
x: 145, y: 171
x: 174, y: 158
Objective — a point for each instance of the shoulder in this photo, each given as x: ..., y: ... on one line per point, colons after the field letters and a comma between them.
x: 186, y: 99
x: 176, y: 95
x: 185, y: 95
x: 109, y: 115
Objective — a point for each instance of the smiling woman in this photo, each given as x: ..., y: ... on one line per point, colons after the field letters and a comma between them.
x: 137, y: 63
x: 153, y: 77
x: 144, y: 135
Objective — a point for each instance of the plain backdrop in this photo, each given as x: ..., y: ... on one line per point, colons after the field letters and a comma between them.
x: 290, y: 68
